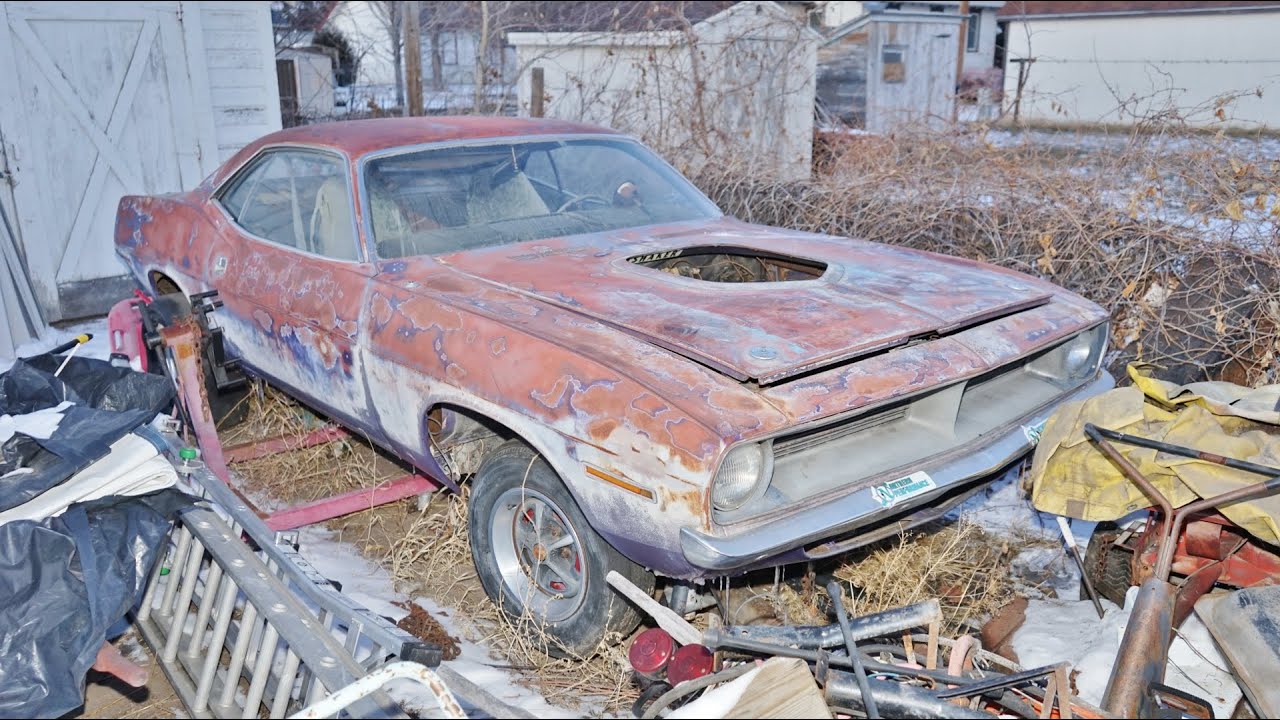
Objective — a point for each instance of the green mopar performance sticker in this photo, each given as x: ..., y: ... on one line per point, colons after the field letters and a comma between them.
x: 895, y: 491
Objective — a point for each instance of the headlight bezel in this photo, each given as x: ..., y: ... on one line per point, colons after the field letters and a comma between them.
x: 757, y: 487
x: 1057, y: 364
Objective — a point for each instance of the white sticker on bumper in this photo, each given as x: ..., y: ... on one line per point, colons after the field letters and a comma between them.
x: 904, y: 488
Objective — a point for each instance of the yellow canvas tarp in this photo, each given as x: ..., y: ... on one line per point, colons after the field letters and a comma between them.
x: 1070, y: 476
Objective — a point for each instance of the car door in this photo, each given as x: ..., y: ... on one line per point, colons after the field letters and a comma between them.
x: 291, y: 274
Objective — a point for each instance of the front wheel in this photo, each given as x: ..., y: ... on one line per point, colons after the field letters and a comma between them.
x: 539, y: 559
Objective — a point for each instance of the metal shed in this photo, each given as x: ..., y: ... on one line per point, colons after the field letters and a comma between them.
x: 104, y: 99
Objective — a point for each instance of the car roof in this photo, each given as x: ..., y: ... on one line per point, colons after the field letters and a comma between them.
x: 357, y: 138
x: 360, y: 137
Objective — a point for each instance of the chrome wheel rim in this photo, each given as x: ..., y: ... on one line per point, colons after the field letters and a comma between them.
x: 539, y: 554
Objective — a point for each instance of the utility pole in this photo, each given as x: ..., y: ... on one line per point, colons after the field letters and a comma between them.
x: 537, y: 90
x: 960, y: 49
x: 412, y: 59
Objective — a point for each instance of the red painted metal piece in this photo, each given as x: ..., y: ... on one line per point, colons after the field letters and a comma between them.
x: 1196, y: 585
x: 651, y: 651
x: 125, y: 333
x: 690, y: 663
x: 283, y: 443
x: 1206, y: 541
x: 347, y: 503
x: 183, y: 340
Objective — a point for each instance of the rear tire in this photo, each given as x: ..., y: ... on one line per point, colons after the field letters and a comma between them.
x: 1108, y: 565
x: 540, y: 561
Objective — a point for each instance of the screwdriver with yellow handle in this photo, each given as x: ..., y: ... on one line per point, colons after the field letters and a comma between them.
x: 74, y: 344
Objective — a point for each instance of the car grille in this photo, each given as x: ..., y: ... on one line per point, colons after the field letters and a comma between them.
x: 801, y: 442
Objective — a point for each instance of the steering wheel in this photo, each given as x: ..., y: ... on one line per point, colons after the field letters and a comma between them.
x: 578, y: 199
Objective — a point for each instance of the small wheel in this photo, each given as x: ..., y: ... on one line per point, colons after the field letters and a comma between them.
x: 1108, y: 566
x: 538, y: 558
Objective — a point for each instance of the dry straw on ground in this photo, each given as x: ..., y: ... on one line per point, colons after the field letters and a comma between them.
x: 963, y: 566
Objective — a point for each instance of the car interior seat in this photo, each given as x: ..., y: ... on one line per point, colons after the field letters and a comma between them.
x: 503, y: 197
x: 331, y: 225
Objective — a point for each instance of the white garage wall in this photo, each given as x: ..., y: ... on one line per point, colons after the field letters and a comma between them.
x: 240, y: 72
x: 1116, y: 69
x: 100, y: 100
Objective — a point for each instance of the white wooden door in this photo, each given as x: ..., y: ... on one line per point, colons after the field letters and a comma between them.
x: 95, y: 103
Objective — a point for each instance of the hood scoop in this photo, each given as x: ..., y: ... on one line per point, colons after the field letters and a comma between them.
x: 730, y: 264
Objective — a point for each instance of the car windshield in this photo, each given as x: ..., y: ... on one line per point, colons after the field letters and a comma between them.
x: 444, y: 200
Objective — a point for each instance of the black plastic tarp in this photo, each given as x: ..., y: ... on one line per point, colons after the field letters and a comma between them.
x: 65, y: 581
x: 110, y: 403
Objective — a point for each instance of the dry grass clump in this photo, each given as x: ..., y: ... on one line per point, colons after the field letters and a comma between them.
x: 1176, y: 234
x: 961, y: 564
x: 309, y: 473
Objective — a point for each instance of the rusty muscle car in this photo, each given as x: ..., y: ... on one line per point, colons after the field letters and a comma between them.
x: 628, y: 379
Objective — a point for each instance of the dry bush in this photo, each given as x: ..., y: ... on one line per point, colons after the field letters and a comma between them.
x: 1176, y: 234
x: 962, y: 565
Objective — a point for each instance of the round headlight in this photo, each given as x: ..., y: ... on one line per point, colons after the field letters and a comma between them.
x: 739, y: 476
x: 1079, y: 355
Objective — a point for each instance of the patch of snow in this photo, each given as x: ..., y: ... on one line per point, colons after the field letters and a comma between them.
x: 372, y: 586
x: 95, y: 348
x: 40, y: 424
x: 1059, y: 630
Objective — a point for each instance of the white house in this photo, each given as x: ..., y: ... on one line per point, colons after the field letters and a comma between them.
x: 735, y: 87
x: 100, y: 100
x: 981, y: 33
x: 1211, y: 63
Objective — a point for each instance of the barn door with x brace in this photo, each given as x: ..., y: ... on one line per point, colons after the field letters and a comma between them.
x: 96, y: 100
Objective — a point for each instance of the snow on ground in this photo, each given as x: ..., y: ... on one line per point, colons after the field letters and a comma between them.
x: 95, y: 348
x: 372, y: 586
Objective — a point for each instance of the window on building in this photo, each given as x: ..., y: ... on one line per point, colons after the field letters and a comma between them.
x: 448, y: 48
x: 975, y: 34
x: 893, y: 66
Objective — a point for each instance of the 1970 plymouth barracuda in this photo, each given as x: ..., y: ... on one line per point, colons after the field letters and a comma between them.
x: 627, y: 378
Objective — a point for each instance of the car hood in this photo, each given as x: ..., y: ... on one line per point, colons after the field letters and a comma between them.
x: 871, y: 297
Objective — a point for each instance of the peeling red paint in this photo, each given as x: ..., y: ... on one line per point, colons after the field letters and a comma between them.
x: 584, y: 354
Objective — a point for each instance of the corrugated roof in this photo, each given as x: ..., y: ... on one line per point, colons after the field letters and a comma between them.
x: 1035, y: 8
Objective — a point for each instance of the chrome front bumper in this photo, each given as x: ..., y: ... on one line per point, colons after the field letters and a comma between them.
x: 860, y: 508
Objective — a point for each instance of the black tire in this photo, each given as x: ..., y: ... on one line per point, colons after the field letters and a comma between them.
x: 515, y: 480
x: 229, y: 408
x: 1108, y: 566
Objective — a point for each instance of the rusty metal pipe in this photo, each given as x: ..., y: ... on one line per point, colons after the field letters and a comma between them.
x: 1144, y: 650
x: 1185, y: 451
x: 1168, y: 542
x: 1164, y: 559
x: 1096, y: 435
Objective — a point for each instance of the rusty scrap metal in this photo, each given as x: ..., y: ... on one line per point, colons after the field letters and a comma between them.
x: 1145, y: 645
x: 837, y: 603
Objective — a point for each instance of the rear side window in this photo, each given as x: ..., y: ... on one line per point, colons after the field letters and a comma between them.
x: 298, y: 199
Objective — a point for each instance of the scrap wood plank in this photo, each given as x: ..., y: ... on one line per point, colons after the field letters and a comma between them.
x: 784, y: 688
